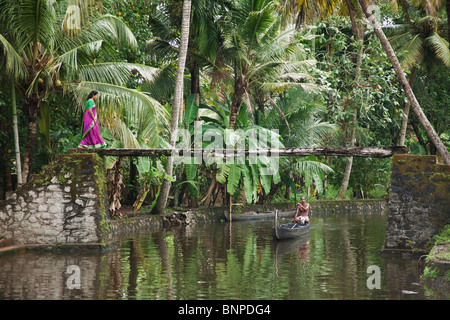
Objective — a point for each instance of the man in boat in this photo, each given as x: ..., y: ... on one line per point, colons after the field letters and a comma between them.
x: 301, y: 215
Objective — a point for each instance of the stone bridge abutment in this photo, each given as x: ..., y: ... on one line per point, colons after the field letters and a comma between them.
x: 419, y: 202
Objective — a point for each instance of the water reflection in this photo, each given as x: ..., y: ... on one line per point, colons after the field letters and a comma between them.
x: 225, y: 261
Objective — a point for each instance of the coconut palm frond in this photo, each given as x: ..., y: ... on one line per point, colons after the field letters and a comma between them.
x: 163, y: 85
x: 15, y: 66
x: 400, y: 39
x: 312, y: 166
x: 258, y: 22
x: 116, y: 72
x: 440, y: 47
x: 282, y: 86
x: 296, y: 76
x: 112, y: 28
x: 414, y: 45
x: 311, y: 132
x: 123, y: 133
x: 161, y: 50
x: 161, y: 23
x: 312, y: 171
x: 34, y: 22
x: 410, y: 47
x: 73, y: 56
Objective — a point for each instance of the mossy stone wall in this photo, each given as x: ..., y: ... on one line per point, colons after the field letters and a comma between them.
x: 419, y: 202
x: 65, y: 204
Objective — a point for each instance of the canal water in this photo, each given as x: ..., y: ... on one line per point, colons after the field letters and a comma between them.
x: 338, y: 260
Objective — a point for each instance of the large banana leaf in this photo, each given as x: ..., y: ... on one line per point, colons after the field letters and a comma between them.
x: 250, y: 195
x: 234, y: 177
x: 191, y: 110
x: 222, y: 174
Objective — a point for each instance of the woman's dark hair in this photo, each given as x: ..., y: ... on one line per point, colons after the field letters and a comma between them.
x: 93, y: 93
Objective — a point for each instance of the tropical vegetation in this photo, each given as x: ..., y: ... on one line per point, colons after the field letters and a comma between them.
x: 302, y: 73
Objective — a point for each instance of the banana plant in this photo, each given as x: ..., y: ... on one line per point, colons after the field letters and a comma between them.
x: 245, y: 173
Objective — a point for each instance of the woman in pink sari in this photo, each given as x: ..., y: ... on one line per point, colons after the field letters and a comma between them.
x: 90, y: 135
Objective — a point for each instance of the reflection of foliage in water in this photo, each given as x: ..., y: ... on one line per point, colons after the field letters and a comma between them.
x: 205, y: 262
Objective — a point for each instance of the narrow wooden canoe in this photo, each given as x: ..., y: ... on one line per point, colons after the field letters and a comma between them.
x: 288, y: 230
x: 265, y: 215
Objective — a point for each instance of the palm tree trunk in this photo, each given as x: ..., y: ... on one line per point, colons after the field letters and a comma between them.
x: 447, y: 7
x: 32, y: 106
x: 195, y: 81
x: 16, y: 135
x: 349, y: 164
x: 239, y: 89
x: 359, y: 35
x: 431, y: 11
x: 415, y: 106
x: 177, y: 104
x: 30, y: 150
x: 412, y: 77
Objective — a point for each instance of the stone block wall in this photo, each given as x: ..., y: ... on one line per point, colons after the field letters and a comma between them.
x: 65, y: 204
x: 377, y: 206
x: 419, y: 202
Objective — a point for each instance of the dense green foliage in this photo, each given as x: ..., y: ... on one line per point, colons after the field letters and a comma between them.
x: 252, y: 66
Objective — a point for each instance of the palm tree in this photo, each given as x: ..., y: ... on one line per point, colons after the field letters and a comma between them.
x: 177, y: 103
x: 262, y: 55
x: 300, y: 109
x: 434, y: 137
x: 419, y: 43
x: 307, y: 11
x: 204, y: 39
x: 50, y: 46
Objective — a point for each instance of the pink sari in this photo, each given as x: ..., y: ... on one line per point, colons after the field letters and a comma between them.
x: 91, y: 138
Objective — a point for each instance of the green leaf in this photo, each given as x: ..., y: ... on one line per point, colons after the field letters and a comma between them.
x: 222, y: 174
x: 190, y: 170
x: 254, y: 174
x: 44, y: 123
x: 318, y: 182
x: 266, y: 180
x: 220, y: 111
x: 143, y: 165
x: 15, y: 65
x: 308, y: 179
x: 248, y: 185
x: 191, y: 110
x: 440, y: 46
x: 242, y: 116
x: 234, y: 177
x: 276, y: 171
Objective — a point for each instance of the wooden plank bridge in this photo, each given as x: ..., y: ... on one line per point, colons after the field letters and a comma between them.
x: 371, y: 152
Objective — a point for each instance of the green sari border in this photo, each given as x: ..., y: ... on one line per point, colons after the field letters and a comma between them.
x: 90, y: 128
x: 97, y: 146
